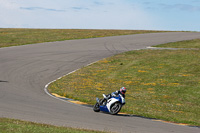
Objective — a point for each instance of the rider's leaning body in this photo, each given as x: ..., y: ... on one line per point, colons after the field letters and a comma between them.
x: 122, y: 91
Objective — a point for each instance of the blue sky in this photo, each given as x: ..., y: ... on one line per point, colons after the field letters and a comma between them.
x: 181, y: 15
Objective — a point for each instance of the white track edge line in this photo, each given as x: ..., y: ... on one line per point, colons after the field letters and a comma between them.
x: 46, y: 86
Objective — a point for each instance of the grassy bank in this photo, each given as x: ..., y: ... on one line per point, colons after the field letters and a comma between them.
x: 18, y: 126
x: 163, y: 84
x: 15, y: 37
x: 182, y: 44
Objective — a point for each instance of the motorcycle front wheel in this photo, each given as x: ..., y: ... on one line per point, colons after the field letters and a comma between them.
x: 115, y: 108
x: 96, y: 107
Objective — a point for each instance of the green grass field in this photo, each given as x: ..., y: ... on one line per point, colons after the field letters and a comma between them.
x: 18, y: 126
x: 162, y: 84
x: 15, y: 37
x: 182, y: 44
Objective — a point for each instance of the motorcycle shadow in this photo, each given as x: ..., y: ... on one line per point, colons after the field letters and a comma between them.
x: 130, y: 115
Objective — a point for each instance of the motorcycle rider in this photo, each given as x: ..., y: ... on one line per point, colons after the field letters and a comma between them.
x: 122, y: 91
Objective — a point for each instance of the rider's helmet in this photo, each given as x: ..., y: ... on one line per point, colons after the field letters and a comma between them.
x: 123, y: 90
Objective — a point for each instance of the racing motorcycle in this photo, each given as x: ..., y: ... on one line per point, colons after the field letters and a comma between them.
x: 113, y: 105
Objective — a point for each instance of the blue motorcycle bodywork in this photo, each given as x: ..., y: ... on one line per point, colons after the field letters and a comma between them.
x: 110, y: 102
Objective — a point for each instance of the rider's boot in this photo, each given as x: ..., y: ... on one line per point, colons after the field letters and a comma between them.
x: 106, y: 97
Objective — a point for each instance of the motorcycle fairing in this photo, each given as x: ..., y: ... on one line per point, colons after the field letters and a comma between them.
x: 110, y: 102
x: 104, y: 108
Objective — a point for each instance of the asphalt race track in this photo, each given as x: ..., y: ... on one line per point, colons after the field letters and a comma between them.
x: 25, y: 70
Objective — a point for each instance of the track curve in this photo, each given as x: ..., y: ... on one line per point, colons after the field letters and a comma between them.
x: 25, y: 70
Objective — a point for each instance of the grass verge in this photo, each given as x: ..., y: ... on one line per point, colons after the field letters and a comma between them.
x: 195, y: 43
x: 15, y: 37
x: 18, y: 126
x: 162, y: 84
